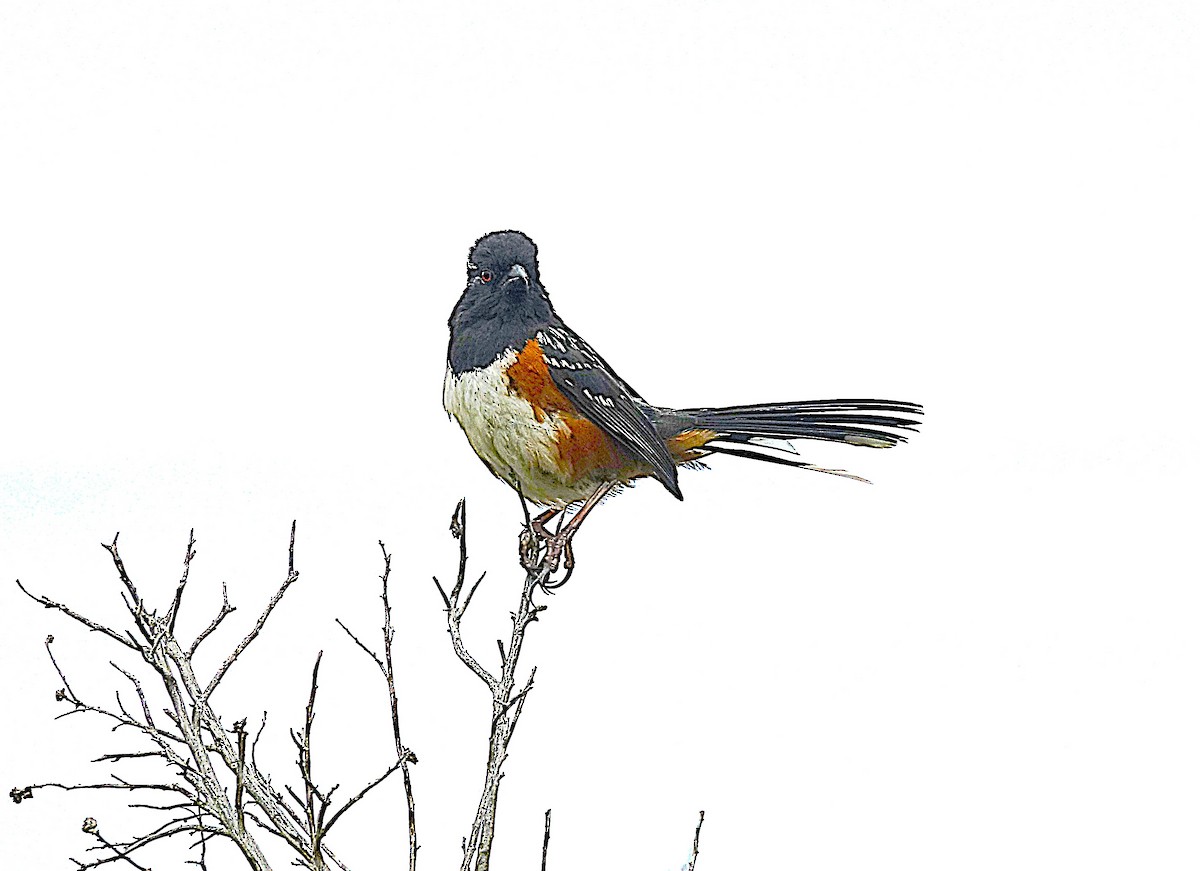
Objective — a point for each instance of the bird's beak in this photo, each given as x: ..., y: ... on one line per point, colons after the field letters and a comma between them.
x: 517, y: 273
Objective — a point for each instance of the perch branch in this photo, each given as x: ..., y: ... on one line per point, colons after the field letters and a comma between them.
x: 507, y: 701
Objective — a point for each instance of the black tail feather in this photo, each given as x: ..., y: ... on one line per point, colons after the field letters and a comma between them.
x: 717, y: 448
x: 833, y: 420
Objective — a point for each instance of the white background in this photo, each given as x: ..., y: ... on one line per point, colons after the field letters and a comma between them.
x: 231, y: 234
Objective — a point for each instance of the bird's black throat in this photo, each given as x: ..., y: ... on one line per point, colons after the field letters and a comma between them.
x: 486, y: 322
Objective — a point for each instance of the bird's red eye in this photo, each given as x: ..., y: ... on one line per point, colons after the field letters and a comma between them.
x: 485, y: 276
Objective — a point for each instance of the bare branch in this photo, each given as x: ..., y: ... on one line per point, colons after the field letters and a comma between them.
x: 292, y: 575
x: 187, y: 562
x: 202, y: 862
x: 141, y: 695
x: 239, y: 729
x: 470, y: 595
x: 361, y: 793
x: 458, y: 528
x: 90, y: 624
x: 117, y: 856
x: 517, y: 702
x: 120, y: 565
x: 192, y: 751
x: 124, y: 718
x: 17, y: 794
x: 124, y: 852
x: 507, y: 702
x: 117, y: 757
x: 254, y: 743
x: 404, y: 756
x: 696, y: 844
x: 371, y: 653
x: 546, y: 840
x: 305, y: 762
x: 455, y: 608
x: 134, y: 603
x: 226, y: 610
x: 442, y: 590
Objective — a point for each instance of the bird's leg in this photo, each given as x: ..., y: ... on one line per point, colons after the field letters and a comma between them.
x: 524, y: 504
x: 538, y: 524
x: 560, y: 544
x: 533, y: 534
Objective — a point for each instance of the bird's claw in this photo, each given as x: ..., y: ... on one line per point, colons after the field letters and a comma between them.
x: 559, y: 548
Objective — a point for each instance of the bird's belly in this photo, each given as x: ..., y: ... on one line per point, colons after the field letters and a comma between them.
x: 509, y: 437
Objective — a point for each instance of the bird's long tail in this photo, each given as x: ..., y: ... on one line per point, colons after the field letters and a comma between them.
x: 762, y: 432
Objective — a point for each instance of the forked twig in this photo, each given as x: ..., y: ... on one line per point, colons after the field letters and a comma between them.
x: 507, y: 701
x: 386, y: 665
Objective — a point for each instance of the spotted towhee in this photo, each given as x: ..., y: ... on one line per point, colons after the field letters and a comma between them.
x: 549, y: 417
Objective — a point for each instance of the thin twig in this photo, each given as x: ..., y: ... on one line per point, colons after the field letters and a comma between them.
x: 311, y: 794
x: 239, y: 729
x: 187, y: 563
x: 546, y: 840
x: 292, y: 575
x: 371, y: 653
x: 137, y: 686
x: 404, y: 756
x: 226, y: 610
x: 134, y: 598
x: 27, y: 791
x: 696, y: 844
x: 362, y: 792
x: 90, y: 624
x: 117, y: 856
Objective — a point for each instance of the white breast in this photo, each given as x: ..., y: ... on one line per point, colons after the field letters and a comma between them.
x: 503, y: 430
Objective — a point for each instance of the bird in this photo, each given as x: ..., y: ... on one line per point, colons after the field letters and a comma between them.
x: 552, y: 419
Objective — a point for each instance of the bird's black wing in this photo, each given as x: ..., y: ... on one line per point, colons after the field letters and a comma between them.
x: 603, y: 398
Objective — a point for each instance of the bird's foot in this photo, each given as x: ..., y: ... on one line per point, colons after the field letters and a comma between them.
x: 559, y: 548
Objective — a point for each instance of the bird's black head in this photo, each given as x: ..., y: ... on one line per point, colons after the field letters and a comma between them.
x: 504, y: 303
x: 497, y: 260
